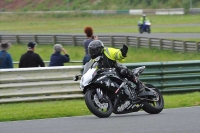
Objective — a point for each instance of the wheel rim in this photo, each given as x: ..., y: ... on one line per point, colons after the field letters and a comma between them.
x: 102, y: 106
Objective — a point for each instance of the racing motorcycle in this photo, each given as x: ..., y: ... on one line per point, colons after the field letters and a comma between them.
x: 106, y: 92
x: 145, y: 27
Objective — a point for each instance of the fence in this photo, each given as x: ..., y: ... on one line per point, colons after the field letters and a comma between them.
x: 194, y: 10
x: 77, y: 40
x: 50, y: 83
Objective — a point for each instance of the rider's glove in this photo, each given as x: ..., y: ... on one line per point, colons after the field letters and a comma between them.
x: 124, y: 50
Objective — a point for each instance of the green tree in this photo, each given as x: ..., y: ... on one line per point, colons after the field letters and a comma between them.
x: 154, y: 4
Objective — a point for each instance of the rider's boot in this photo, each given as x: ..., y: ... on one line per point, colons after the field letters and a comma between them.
x: 140, y: 89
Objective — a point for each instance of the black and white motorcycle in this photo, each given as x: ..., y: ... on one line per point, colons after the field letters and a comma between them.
x: 106, y: 92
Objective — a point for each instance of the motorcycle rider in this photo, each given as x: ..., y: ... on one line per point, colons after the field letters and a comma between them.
x: 143, y: 19
x: 110, y: 57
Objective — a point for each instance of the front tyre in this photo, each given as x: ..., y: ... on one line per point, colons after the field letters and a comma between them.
x: 154, y: 105
x: 100, y: 108
x: 149, y: 30
x: 140, y: 30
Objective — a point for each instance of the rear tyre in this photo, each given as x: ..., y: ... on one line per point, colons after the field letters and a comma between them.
x: 154, y: 107
x: 101, y: 109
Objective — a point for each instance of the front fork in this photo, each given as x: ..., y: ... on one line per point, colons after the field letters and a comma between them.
x: 101, y: 96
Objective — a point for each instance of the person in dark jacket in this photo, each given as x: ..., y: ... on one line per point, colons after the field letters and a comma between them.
x: 5, y: 57
x: 57, y: 59
x: 31, y: 59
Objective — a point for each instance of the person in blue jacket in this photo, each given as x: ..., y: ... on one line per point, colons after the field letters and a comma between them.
x: 57, y: 59
x: 5, y: 57
x: 90, y: 37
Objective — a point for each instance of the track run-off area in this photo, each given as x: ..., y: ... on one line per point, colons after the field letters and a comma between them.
x: 177, y: 120
x: 151, y: 35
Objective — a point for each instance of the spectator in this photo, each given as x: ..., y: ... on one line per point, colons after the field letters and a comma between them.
x: 57, y: 59
x: 89, y: 34
x: 5, y: 57
x: 31, y: 59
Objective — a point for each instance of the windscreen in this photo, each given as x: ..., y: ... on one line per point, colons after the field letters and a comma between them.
x: 88, y: 65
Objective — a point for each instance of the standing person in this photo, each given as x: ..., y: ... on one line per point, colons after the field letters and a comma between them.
x: 5, y: 57
x: 89, y: 34
x: 31, y: 59
x: 57, y: 59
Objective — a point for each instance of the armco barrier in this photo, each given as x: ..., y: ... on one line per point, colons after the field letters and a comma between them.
x: 115, y: 41
x: 173, y: 76
x: 136, y: 12
x: 44, y: 83
x: 194, y: 10
x: 50, y: 83
x: 179, y: 11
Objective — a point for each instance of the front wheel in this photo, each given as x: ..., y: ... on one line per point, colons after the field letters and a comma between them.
x: 102, y: 108
x: 154, y: 105
x: 148, y: 30
x: 140, y: 30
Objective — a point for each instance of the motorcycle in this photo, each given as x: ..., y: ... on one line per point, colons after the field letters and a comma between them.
x: 144, y: 27
x: 106, y: 92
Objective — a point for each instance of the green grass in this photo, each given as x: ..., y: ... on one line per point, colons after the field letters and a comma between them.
x: 68, y: 108
x: 75, y: 23
x: 53, y: 5
x: 182, y: 100
x: 134, y: 54
x: 37, y: 110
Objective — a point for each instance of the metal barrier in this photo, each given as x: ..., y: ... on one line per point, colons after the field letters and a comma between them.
x: 173, y: 76
x: 50, y: 83
x: 194, y: 10
x: 115, y: 41
x: 47, y: 62
x: 43, y: 83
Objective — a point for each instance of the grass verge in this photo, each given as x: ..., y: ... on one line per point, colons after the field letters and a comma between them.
x: 134, y: 54
x: 68, y: 108
x: 75, y: 23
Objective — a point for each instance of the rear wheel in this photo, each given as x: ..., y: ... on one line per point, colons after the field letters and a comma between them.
x: 154, y: 105
x: 100, y: 107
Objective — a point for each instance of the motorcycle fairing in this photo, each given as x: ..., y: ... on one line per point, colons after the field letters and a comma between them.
x: 86, y: 78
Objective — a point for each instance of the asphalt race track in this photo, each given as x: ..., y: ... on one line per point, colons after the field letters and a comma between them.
x: 160, y: 35
x: 179, y: 120
x: 169, y: 35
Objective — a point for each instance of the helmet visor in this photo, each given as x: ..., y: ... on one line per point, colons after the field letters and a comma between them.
x: 93, y: 52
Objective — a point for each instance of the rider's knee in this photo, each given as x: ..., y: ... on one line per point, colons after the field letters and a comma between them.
x: 127, y: 73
